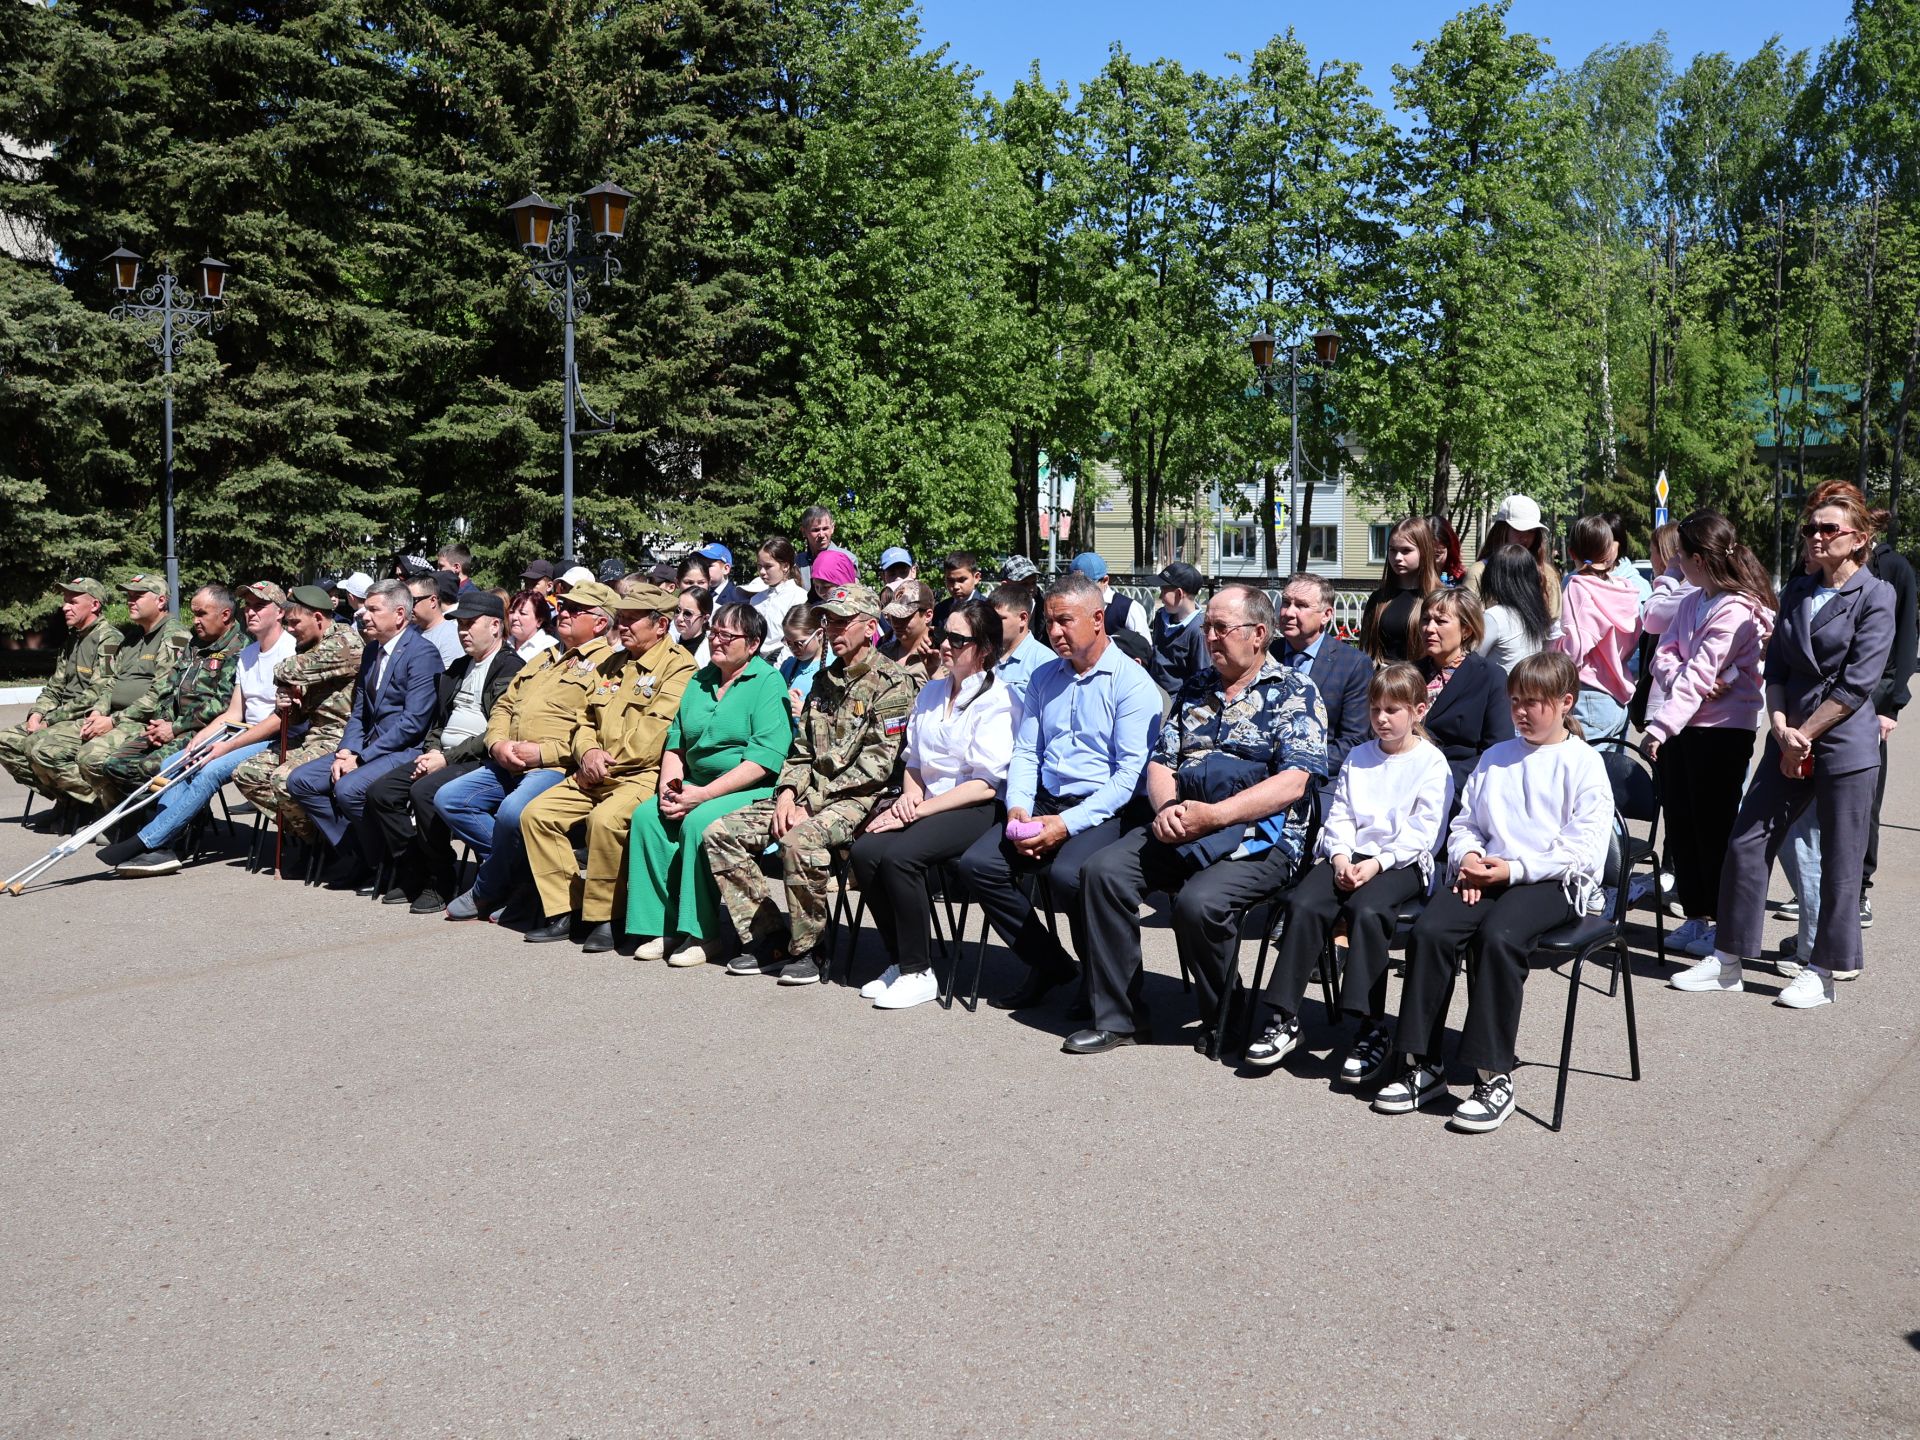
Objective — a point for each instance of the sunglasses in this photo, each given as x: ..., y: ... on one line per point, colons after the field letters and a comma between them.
x: 1825, y: 529
x: 955, y: 639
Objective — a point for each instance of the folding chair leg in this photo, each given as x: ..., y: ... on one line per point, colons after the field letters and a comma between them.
x: 1633, y: 1028
x: 1566, y: 1042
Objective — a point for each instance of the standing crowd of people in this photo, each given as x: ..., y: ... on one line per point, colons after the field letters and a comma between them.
x: 652, y: 755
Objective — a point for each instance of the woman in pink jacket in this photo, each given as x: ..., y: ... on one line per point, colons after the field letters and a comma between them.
x: 1714, y: 618
x: 1599, y: 626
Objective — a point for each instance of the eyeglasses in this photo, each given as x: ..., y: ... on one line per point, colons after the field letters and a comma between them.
x: 1214, y: 630
x: 1826, y: 529
x: 725, y: 637
x: 954, y: 638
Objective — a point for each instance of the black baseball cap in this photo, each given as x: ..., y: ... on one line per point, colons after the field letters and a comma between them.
x: 538, y: 570
x: 478, y: 602
x: 1181, y: 576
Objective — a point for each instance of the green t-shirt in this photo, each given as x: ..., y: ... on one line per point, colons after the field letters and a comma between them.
x: 751, y: 722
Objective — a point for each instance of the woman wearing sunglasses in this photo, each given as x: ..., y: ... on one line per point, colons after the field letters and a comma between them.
x: 959, y: 744
x: 1827, y: 653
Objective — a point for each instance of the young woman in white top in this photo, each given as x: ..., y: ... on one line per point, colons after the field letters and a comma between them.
x: 1386, y: 813
x: 1524, y: 856
x: 959, y: 744
x: 783, y: 592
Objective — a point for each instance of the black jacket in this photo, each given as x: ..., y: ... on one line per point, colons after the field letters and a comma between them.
x: 1470, y: 715
x: 1179, y: 652
x: 1891, y: 694
x: 506, y: 665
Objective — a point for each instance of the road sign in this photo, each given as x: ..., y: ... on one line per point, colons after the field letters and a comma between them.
x: 1660, y: 490
x: 1659, y: 515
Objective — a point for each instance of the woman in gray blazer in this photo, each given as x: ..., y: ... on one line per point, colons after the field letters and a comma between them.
x: 1828, y: 651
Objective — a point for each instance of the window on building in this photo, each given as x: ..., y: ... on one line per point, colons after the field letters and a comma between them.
x: 1239, y: 542
x: 1323, y: 542
x: 1377, y: 534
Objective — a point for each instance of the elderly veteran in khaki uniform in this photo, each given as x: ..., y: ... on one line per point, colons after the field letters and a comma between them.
x: 313, y: 695
x: 529, y: 748
x: 151, y: 645
x: 79, y: 681
x: 849, y: 739
x: 617, y: 744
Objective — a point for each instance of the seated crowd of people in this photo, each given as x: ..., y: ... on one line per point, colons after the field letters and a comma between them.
x: 635, y: 756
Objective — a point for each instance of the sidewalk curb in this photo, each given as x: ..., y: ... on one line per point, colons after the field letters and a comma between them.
x: 19, y: 695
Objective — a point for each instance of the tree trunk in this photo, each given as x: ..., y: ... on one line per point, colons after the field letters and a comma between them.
x: 1773, y: 382
x: 1899, y: 438
x: 1303, y: 524
x: 1866, y: 349
x: 1609, y: 452
x: 1442, y: 475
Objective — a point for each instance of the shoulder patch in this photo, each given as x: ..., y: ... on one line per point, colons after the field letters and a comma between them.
x: 894, y: 725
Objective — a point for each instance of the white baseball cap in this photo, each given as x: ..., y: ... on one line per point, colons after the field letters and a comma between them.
x: 357, y: 584
x: 1517, y: 512
x: 578, y: 575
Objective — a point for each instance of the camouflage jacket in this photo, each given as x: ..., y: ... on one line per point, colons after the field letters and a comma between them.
x: 850, y: 733
x: 320, y: 679
x: 632, y: 708
x: 198, y: 688
x: 85, y: 670
x: 138, y: 667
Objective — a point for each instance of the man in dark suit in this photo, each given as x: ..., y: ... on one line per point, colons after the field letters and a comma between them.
x: 1339, y: 672
x: 400, y: 803
x: 393, y: 705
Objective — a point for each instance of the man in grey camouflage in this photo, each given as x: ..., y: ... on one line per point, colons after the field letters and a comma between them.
x: 184, y: 701
x: 849, y: 739
x: 314, y: 695
x: 79, y: 680
x: 151, y: 644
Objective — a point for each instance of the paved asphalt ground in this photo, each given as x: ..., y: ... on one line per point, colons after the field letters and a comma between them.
x: 284, y: 1163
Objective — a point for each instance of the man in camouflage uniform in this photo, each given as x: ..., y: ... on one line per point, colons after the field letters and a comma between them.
x: 849, y: 739
x: 616, y: 750
x: 529, y: 748
x: 79, y: 680
x: 188, y: 697
x: 151, y: 645
x: 314, y: 695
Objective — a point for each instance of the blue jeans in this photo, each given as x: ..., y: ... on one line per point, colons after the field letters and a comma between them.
x: 1599, y: 714
x: 184, y: 799
x: 483, y: 808
x: 1800, y: 863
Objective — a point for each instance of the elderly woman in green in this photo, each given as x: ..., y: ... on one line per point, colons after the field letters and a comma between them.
x: 727, y: 744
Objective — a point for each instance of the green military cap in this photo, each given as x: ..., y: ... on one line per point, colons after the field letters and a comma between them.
x: 848, y: 600
x: 85, y: 585
x: 644, y: 599
x: 591, y: 595
x: 145, y: 585
x: 264, y: 592
x: 313, y: 597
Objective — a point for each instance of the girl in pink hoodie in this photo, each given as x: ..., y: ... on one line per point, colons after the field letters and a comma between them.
x: 1714, y: 618
x: 1599, y: 626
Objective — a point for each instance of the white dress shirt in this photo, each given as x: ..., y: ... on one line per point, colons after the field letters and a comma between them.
x: 974, y: 743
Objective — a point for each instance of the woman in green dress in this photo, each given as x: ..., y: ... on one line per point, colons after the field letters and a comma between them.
x: 726, y: 746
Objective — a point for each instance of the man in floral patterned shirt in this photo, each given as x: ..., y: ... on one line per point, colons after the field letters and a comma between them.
x: 1231, y: 787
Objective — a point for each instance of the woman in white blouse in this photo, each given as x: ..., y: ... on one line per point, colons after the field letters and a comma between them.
x: 783, y: 592
x: 959, y: 744
x: 529, y: 624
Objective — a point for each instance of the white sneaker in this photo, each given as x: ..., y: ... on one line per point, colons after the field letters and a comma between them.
x: 1695, y: 937
x: 871, y: 990
x: 690, y: 952
x: 1712, y: 973
x: 1813, y: 986
x: 908, y: 991
x: 654, y: 949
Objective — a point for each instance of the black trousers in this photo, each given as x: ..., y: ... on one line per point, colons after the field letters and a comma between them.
x: 990, y: 867
x: 1313, y: 906
x: 412, y: 833
x: 1502, y: 929
x: 1702, y: 772
x: 1872, y: 861
x: 892, y: 870
x: 1207, y: 906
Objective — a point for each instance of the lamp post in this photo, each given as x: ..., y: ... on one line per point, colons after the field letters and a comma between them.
x: 562, y: 266
x: 169, y: 302
x: 1326, y: 349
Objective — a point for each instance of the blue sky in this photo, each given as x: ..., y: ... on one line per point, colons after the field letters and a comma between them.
x: 1070, y: 37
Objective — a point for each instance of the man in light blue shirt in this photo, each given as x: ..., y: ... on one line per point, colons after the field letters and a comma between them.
x: 1021, y: 654
x: 1085, y: 736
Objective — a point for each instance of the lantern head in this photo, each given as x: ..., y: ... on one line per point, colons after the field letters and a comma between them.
x: 212, y: 275
x: 1260, y: 346
x: 1326, y: 345
x: 126, y: 270
x: 607, y: 211
x: 533, y: 222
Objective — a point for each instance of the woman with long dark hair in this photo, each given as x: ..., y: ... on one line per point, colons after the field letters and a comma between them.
x: 1518, y: 522
x: 1517, y: 623
x: 1390, y: 625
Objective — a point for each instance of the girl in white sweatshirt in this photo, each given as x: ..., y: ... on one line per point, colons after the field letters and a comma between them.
x: 1524, y: 856
x: 1386, y: 812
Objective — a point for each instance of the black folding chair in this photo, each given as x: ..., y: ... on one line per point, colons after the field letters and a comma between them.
x: 1636, y: 796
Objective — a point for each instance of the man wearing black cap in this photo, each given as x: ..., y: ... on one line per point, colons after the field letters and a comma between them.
x: 400, y: 803
x: 538, y: 577
x: 1177, y: 649
x: 432, y: 594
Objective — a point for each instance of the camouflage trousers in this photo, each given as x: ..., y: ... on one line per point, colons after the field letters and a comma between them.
x: 734, y: 844
x: 16, y: 747
x: 263, y: 780
x: 90, y: 764
x: 54, y: 755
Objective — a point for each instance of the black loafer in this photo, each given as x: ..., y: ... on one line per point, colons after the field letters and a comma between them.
x: 1096, y: 1042
x: 560, y: 927
x: 1037, y: 988
x: 599, y: 939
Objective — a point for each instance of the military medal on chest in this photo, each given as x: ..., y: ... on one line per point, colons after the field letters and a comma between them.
x: 644, y: 685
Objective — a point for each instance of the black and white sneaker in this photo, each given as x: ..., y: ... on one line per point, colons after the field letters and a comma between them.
x: 800, y: 970
x: 150, y: 862
x: 1417, y: 1085
x: 748, y: 963
x: 1275, y: 1043
x: 1366, y: 1059
x: 1866, y: 913
x: 1487, y: 1108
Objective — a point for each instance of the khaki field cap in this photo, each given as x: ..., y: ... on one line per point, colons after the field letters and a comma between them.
x: 645, y: 600
x: 264, y: 592
x: 85, y: 585
x: 145, y: 585
x: 313, y: 597
x: 849, y: 600
x: 590, y: 595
